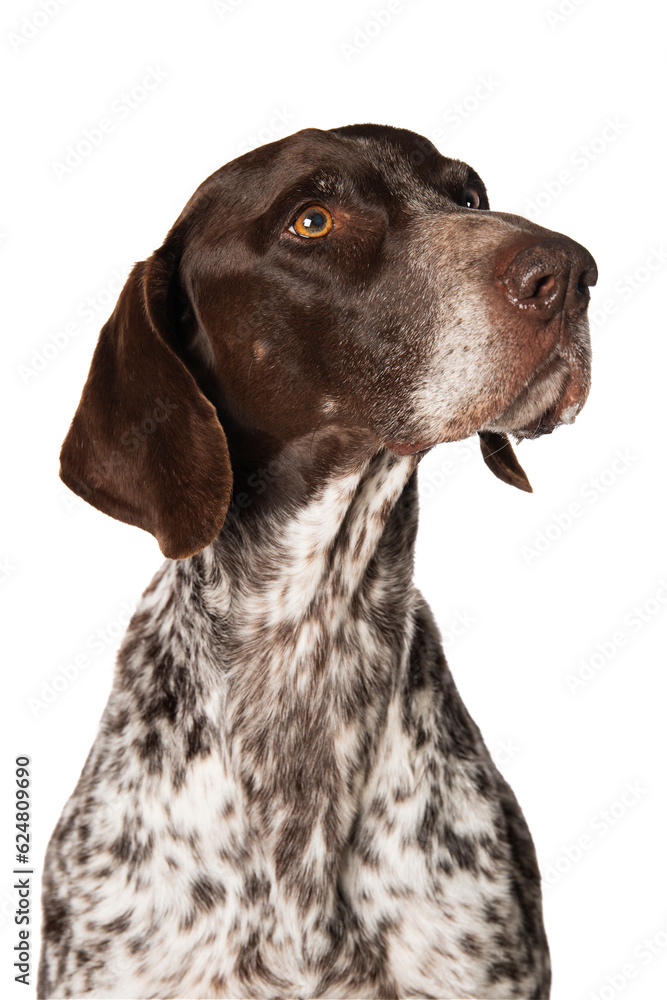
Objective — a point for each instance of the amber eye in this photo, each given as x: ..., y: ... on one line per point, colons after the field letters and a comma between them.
x: 471, y: 198
x: 313, y: 221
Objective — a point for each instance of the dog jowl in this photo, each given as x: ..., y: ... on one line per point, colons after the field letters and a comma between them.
x: 286, y: 795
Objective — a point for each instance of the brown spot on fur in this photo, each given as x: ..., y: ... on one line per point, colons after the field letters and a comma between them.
x: 118, y: 925
x: 151, y: 750
x: 470, y: 944
x: 207, y: 893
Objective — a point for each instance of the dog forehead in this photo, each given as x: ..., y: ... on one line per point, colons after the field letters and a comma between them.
x: 338, y: 163
x: 409, y: 164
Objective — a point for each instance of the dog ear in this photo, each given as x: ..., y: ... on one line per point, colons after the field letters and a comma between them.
x: 145, y: 445
x: 500, y: 458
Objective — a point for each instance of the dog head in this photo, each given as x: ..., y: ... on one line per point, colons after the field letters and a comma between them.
x: 351, y: 280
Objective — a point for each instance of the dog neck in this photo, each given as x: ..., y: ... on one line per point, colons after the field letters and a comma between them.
x: 310, y: 557
x: 294, y: 629
x: 318, y: 634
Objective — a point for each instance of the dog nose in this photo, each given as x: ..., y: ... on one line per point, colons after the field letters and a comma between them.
x: 550, y: 276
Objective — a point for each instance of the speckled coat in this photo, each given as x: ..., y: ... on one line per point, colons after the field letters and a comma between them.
x: 287, y: 797
x: 275, y: 808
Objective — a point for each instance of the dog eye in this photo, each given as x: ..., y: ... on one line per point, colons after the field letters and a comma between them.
x: 313, y: 221
x: 471, y: 198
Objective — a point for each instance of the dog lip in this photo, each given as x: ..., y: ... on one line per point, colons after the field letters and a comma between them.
x: 563, y: 411
x: 539, y: 394
x: 544, y: 424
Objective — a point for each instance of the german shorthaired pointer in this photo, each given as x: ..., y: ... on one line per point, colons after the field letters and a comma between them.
x: 287, y: 797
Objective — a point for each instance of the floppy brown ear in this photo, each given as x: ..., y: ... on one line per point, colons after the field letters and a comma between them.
x: 145, y: 445
x: 500, y: 458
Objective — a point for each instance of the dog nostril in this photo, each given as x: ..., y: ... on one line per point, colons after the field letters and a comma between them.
x: 543, y: 286
x: 549, y: 276
x: 588, y: 277
x: 536, y: 278
x: 578, y: 297
x: 583, y: 290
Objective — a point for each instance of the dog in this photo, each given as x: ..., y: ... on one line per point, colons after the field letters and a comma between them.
x: 287, y: 797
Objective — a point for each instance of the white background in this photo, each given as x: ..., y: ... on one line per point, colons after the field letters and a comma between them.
x: 538, y: 91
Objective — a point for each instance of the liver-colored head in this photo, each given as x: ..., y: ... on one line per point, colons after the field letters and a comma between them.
x: 351, y: 279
